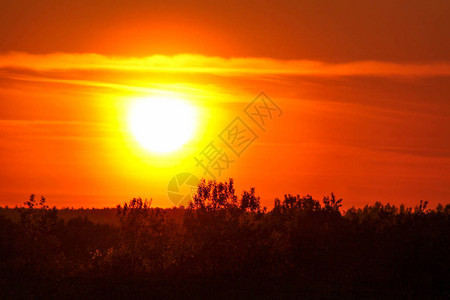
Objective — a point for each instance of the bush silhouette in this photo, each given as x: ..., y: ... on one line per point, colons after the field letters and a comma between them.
x: 223, y: 245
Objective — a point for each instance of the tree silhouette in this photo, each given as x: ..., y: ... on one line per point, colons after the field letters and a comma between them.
x: 225, y: 245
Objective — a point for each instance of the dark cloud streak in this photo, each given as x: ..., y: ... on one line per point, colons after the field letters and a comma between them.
x: 333, y: 31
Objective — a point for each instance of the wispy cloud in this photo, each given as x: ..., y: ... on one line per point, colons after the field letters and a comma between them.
x: 217, y: 65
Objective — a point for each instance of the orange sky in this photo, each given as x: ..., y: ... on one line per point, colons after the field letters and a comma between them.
x: 364, y: 90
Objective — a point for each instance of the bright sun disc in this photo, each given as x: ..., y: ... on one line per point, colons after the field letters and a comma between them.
x: 162, y: 124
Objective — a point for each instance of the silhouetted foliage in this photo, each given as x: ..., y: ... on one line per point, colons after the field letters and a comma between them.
x: 226, y: 246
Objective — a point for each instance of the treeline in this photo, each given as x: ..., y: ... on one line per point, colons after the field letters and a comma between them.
x: 223, y: 245
x: 107, y: 215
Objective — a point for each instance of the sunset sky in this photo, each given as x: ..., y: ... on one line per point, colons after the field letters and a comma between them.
x: 362, y: 91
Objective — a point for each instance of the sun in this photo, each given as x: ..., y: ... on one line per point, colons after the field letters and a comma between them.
x: 162, y: 124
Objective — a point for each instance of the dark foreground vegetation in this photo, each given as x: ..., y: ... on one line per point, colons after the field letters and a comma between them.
x: 224, y: 246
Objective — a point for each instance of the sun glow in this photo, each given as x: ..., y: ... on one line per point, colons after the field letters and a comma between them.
x: 162, y: 124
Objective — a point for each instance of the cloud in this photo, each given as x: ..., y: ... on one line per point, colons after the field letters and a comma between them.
x: 190, y: 63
